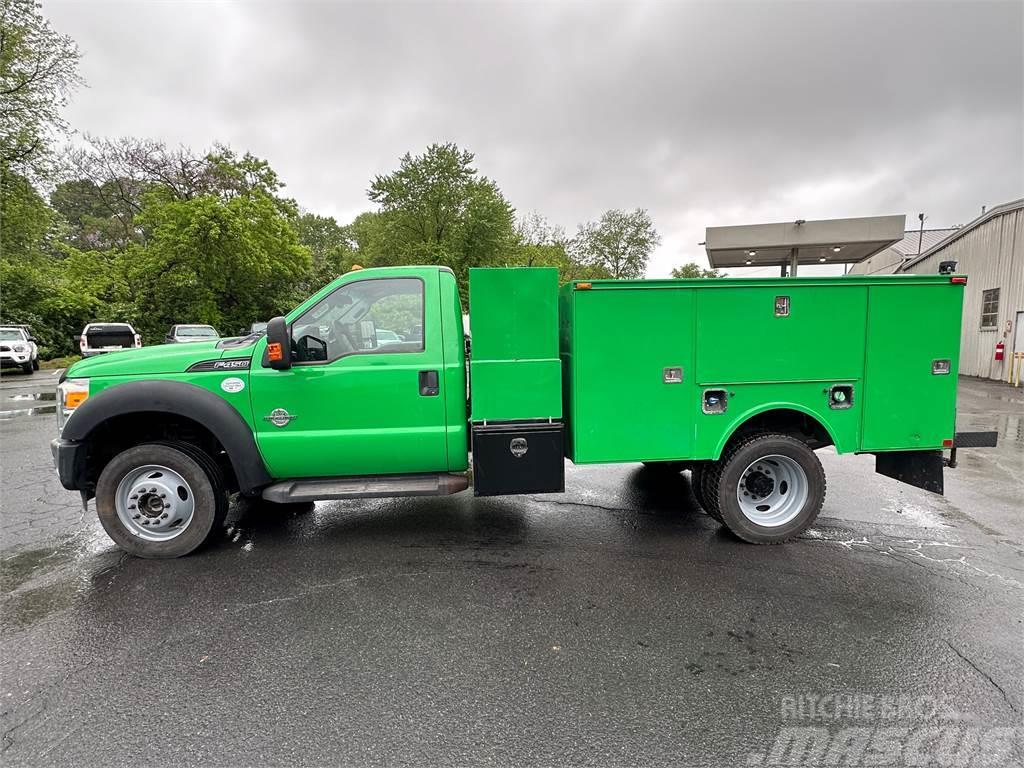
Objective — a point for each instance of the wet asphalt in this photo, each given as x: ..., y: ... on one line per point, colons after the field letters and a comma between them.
x: 614, y: 624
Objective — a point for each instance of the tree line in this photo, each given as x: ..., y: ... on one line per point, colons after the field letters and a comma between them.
x: 129, y: 229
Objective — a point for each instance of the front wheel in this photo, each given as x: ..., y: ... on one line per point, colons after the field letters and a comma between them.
x: 28, y: 368
x: 35, y: 364
x: 157, y: 501
x: 768, y: 488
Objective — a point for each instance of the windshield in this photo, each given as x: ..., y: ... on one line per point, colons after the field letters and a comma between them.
x: 11, y: 334
x: 197, y: 332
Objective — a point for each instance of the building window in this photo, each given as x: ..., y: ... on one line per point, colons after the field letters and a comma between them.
x: 990, y: 308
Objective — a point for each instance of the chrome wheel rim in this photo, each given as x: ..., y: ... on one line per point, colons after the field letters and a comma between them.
x: 154, y: 503
x: 772, y: 490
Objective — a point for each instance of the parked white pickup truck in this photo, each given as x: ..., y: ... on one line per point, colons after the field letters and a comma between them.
x: 18, y: 349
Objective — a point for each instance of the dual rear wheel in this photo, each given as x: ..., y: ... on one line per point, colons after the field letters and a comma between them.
x: 766, y: 488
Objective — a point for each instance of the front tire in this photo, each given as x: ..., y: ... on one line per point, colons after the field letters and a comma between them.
x: 768, y: 488
x: 157, y: 501
x: 35, y: 364
x: 28, y: 368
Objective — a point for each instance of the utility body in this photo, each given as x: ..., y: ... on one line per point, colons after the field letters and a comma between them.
x: 370, y: 388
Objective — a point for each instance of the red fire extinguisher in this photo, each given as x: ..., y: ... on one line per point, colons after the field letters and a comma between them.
x: 1000, y: 347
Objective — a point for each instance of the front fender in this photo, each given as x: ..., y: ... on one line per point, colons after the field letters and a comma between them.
x: 181, y: 399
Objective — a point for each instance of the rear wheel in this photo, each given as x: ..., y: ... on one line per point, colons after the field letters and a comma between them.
x: 768, y: 488
x: 158, y: 501
x: 698, y: 473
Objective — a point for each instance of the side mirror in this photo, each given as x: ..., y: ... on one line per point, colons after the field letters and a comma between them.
x: 279, y: 344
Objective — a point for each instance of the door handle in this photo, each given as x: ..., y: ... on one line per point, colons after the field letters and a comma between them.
x: 429, y: 384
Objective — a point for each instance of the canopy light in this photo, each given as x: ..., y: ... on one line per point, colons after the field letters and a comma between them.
x: 751, y: 253
x: 836, y: 248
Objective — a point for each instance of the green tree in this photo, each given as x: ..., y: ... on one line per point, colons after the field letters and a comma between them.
x: 210, y: 260
x: 692, y: 270
x: 541, y: 244
x: 26, y: 221
x: 330, y: 247
x: 38, y: 73
x: 620, y: 243
x: 435, y: 209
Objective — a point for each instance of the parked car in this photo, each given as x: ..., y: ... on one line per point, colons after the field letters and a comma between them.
x: 256, y: 328
x: 185, y: 333
x: 18, y: 348
x: 388, y: 337
x: 98, y: 338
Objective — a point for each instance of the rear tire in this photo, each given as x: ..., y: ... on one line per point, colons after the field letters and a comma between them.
x: 158, y: 500
x: 768, y: 488
x: 698, y: 473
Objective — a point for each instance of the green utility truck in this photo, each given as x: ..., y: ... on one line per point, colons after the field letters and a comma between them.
x: 364, y: 390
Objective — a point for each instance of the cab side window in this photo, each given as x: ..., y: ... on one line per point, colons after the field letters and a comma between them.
x: 383, y: 316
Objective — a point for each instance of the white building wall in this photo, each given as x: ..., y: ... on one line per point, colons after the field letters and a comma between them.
x: 991, y: 254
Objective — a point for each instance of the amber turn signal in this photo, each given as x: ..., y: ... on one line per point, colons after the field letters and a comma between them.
x: 74, y: 399
x: 274, y: 352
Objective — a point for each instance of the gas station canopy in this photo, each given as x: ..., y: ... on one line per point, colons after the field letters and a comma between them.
x: 828, y: 241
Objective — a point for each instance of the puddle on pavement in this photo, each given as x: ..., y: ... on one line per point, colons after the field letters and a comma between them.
x: 31, y: 605
x: 36, y: 396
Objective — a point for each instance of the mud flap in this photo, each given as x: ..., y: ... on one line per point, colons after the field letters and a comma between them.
x: 922, y: 469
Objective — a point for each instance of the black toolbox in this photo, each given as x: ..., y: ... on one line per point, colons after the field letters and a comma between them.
x: 518, y: 457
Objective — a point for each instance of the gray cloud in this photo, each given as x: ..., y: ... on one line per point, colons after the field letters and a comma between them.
x: 706, y: 114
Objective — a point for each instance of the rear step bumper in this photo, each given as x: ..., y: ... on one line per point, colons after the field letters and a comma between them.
x: 323, y: 489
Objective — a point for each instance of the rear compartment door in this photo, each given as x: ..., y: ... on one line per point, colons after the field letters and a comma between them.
x: 629, y: 347
x: 911, y: 328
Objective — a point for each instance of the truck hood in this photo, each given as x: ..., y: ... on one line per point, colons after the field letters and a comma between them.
x: 162, y: 358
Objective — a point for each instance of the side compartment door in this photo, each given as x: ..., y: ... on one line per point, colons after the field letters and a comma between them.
x: 365, y: 394
x: 911, y: 328
x: 634, y: 395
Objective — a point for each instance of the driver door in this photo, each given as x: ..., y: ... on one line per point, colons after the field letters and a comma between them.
x: 350, y: 405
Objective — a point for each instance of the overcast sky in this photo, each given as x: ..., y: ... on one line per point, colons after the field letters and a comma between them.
x: 704, y: 113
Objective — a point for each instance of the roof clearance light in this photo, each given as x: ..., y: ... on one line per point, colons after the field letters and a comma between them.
x: 584, y: 287
x: 958, y: 280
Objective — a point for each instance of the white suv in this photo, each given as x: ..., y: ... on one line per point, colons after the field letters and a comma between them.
x: 18, y: 349
x: 98, y: 338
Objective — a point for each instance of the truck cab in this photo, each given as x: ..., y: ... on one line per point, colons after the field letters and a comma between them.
x: 362, y: 391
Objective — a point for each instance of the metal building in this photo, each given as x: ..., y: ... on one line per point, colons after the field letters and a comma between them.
x: 990, y: 251
x: 889, y: 260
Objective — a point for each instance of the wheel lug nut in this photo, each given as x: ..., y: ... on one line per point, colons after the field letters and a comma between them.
x: 163, y: 495
x: 136, y: 517
x: 163, y: 515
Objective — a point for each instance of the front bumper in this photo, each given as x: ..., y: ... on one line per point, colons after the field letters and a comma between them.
x: 14, y: 361
x: 67, y: 461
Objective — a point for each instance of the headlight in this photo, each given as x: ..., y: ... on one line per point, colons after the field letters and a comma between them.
x: 20, y: 348
x: 70, y: 394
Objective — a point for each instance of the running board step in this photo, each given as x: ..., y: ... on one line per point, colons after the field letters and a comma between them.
x: 376, y: 486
